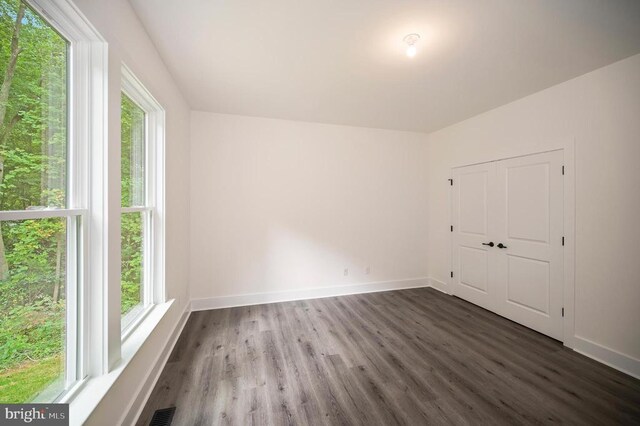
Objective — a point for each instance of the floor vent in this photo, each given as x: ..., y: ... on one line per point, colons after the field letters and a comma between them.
x: 163, y: 417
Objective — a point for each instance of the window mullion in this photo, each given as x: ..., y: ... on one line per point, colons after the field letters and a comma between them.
x: 8, y: 215
x: 134, y: 209
x: 148, y: 257
x: 72, y: 299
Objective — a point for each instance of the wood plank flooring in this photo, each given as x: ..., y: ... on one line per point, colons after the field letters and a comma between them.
x: 402, y: 357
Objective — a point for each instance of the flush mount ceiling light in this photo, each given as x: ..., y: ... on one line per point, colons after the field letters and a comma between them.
x: 411, y: 40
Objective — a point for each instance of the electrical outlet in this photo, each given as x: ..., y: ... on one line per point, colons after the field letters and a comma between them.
x: 346, y: 272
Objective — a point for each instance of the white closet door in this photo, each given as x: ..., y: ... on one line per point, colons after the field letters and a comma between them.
x: 529, y: 217
x: 474, y: 260
x: 507, y: 239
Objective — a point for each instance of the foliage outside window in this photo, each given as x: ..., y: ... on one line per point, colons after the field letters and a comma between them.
x: 33, y: 179
x: 134, y: 213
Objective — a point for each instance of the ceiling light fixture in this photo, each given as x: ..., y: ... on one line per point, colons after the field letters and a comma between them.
x: 411, y: 40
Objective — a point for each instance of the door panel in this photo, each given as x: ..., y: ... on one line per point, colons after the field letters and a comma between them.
x: 473, y: 202
x: 528, y: 283
x: 474, y: 268
x: 529, y: 219
x: 517, y: 202
x: 528, y: 211
x: 472, y: 209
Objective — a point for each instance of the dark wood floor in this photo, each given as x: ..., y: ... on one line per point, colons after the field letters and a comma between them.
x: 402, y: 357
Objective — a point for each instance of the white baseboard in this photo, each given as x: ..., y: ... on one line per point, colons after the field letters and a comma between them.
x: 607, y: 356
x: 133, y: 412
x: 313, y: 293
x: 439, y: 285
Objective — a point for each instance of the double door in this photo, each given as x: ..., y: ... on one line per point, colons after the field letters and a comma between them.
x: 508, y: 239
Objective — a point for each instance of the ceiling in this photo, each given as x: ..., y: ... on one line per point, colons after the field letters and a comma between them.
x: 343, y: 61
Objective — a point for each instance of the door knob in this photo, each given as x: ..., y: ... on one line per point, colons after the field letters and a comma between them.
x: 490, y: 244
x: 500, y: 245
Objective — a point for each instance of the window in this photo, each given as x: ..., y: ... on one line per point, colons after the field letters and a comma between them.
x: 57, y: 311
x: 40, y: 222
x: 141, y: 121
x: 52, y: 151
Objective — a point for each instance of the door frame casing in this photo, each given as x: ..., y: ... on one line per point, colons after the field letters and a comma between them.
x: 567, y: 146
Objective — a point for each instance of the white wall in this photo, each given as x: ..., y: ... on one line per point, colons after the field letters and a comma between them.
x: 281, y: 205
x: 601, y: 111
x: 129, y: 43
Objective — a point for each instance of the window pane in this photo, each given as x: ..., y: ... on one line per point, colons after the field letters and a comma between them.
x: 33, y: 310
x: 133, y: 153
x: 132, y: 261
x: 33, y: 126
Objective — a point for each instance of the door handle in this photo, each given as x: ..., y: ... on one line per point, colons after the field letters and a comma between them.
x: 490, y: 244
x: 500, y: 245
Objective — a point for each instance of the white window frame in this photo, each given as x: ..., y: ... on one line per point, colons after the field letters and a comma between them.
x: 94, y: 202
x: 85, y: 193
x: 153, y: 210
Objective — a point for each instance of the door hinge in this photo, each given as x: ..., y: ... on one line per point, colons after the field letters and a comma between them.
x: 563, y: 312
x: 451, y: 274
x: 562, y: 170
x: 450, y: 182
x: 451, y: 228
x: 563, y: 241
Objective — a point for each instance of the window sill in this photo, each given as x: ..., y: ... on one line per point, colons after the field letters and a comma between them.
x: 86, y: 395
x: 134, y: 319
